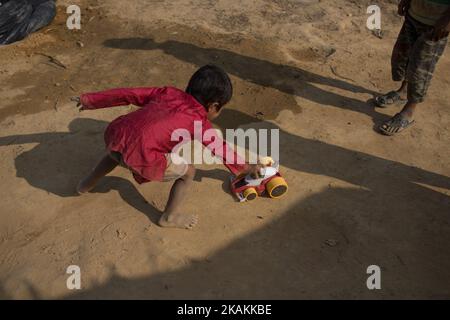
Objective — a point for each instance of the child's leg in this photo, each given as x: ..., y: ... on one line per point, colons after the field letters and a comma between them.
x: 399, y: 65
x: 403, y: 90
x: 105, y: 166
x: 424, y: 58
x: 401, y: 54
x: 172, y: 216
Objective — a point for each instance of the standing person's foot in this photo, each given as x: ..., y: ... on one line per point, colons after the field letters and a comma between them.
x: 182, y: 221
x: 390, y: 99
x: 396, y: 124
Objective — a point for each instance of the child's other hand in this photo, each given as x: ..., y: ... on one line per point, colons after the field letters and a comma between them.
x: 77, y: 100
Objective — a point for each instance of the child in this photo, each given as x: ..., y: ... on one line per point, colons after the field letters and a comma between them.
x: 141, y: 140
x: 419, y: 46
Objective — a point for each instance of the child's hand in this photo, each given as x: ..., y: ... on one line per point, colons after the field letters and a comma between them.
x: 77, y: 100
x: 254, y: 170
x: 251, y: 170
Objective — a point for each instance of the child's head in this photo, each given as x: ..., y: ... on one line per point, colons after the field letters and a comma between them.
x: 212, y: 87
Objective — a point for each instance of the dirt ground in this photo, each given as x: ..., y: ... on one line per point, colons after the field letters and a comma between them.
x: 308, y: 68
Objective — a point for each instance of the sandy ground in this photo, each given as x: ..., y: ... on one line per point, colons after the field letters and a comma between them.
x: 307, y: 68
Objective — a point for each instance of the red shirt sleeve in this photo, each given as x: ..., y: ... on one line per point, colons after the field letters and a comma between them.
x: 221, y: 149
x: 118, y: 97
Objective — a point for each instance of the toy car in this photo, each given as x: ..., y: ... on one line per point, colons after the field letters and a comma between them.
x: 247, y: 188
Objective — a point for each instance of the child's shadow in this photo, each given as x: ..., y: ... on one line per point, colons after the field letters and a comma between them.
x: 216, y: 174
x: 130, y: 195
x: 61, y: 159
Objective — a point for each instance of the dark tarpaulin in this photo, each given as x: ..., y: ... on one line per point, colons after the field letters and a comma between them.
x: 19, y: 18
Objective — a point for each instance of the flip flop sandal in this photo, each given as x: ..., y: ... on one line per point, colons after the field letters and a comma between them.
x: 388, y: 99
x: 395, y: 125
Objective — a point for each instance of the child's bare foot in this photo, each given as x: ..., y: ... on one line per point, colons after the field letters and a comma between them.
x: 181, y: 221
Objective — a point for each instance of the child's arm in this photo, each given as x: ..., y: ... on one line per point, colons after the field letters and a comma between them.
x: 117, y: 97
x: 221, y: 149
x: 30, y: 138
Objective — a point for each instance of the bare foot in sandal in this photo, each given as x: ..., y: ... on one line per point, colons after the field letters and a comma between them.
x: 396, y: 124
x: 389, y: 99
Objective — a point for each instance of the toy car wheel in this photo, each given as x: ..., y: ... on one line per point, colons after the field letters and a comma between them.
x: 276, y: 187
x: 250, y: 194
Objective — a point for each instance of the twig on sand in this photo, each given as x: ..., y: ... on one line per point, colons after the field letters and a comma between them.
x: 378, y: 33
x: 373, y: 83
x: 53, y: 60
x: 348, y: 51
x: 333, y: 70
x: 56, y: 104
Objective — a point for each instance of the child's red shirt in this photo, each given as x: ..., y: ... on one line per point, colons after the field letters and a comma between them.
x: 143, y: 137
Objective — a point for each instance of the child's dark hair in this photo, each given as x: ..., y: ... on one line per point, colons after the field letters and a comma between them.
x: 210, y: 84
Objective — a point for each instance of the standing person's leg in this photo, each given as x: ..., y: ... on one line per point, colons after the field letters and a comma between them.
x: 399, y: 66
x: 423, y: 59
x: 425, y: 56
x: 184, y: 175
x: 105, y: 166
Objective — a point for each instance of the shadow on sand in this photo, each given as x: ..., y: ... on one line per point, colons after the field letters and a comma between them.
x: 391, y: 217
x: 287, y: 79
